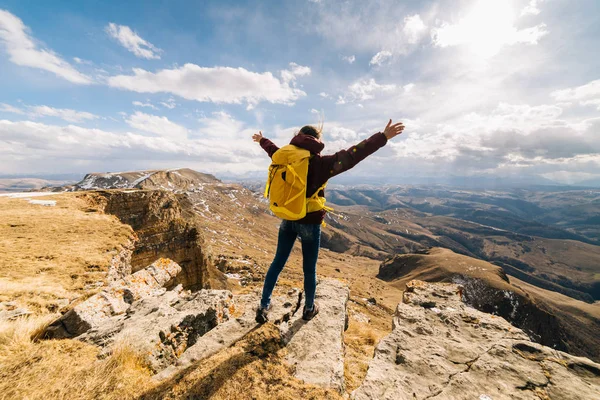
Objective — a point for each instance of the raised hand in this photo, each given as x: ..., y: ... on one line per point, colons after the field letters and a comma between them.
x: 257, y: 136
x: 393, y: 130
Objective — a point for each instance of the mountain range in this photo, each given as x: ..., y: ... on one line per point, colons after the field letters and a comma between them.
x: 530, y: 256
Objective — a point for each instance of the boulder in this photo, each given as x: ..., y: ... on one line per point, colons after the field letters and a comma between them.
x: 164, y: 326
x: 440, y: 348
x: 113, y: 300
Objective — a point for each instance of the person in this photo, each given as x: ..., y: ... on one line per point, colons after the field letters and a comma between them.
x: 320, y: 170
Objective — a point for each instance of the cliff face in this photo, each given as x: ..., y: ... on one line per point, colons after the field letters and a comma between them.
x: 545, y: 316
x: 440, y: 348
x: 165, y: 227
x: 521, y: 311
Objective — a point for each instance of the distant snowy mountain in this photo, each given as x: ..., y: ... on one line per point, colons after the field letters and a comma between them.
x: 172, y: 179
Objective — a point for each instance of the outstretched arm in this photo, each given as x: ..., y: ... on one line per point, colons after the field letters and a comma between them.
x: 265, y: 143
x: 346, y: 159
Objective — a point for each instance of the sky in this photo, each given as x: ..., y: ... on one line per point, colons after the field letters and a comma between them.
x: 485, y: 88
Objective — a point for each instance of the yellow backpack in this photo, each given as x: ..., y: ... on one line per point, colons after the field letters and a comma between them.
x: 286, y: 185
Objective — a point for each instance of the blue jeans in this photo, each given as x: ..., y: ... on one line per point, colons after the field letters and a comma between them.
x: 310, y: 236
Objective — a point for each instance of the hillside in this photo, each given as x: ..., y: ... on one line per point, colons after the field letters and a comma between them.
x: 496, y: 227
x: 173, y: 179
x: 550, y: 214
x: 23, y: 184
x: 188, y: 260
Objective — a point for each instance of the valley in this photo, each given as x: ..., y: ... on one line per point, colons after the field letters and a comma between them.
x: 542, y: 278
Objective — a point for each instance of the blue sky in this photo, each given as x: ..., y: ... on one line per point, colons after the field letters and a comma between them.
x: 484, y: 87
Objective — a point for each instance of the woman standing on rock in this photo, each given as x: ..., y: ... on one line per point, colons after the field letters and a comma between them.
x: 308, y: 228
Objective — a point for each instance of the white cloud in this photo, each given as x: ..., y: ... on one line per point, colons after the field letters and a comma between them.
x: 82, y: 61
x: 337, y: 132
x: 349, y: 59
x: 367, y: 89
x: 414, y: 28
x: 27, y: 147
x: 592, y: 102
x: 22, y: 50
x: 62, y: 113
x: 363, y: 26
x: 290, y: 75
x: 217, y: 84
x: 133, y: 42
x: 380, y: 58
x: 140, y: 104
x: 588, y: 94
x: 46, y: 111
x: 11, y: 109
x: 158, y: 125
x: 170, y: 103
x: 486, y: 29
x: 324, y: 95
x: 532, y: 8
x: 530, y: 35
x: 36, y: 147
x: 220, y: 125
x: 521, y: 117
x: 408, y: 87
x: 509, y: 139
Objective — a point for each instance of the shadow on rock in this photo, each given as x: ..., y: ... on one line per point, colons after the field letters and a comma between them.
x: 200, y: 381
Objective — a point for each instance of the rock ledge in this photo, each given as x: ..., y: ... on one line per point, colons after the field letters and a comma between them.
x: 440, y: 348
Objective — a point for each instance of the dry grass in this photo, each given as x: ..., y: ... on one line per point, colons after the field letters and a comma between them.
x: 254, y: 368
x: 64, y: 369
x: 51, y: 253
x: 360, y: 339
x: 48, y: 254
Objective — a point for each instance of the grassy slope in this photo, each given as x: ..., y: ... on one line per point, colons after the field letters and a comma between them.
x: 51, y: 253
x: 48, y: 254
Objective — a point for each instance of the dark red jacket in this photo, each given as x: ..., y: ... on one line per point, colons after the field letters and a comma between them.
x: 322, y: 168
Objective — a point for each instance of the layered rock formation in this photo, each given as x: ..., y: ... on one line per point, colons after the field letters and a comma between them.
x: 139, y: 311
x: 548, y: 318
x: 165, y: 226
x: 227, y: 333
x: 176, y: 328
x: 314, y: 348
x: 163, y: 326
x: 114, y: 300
x: 440, y: 348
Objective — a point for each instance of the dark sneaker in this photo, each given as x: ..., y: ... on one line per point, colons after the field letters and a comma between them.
x: 262, y: 314
x: 307, y: 315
